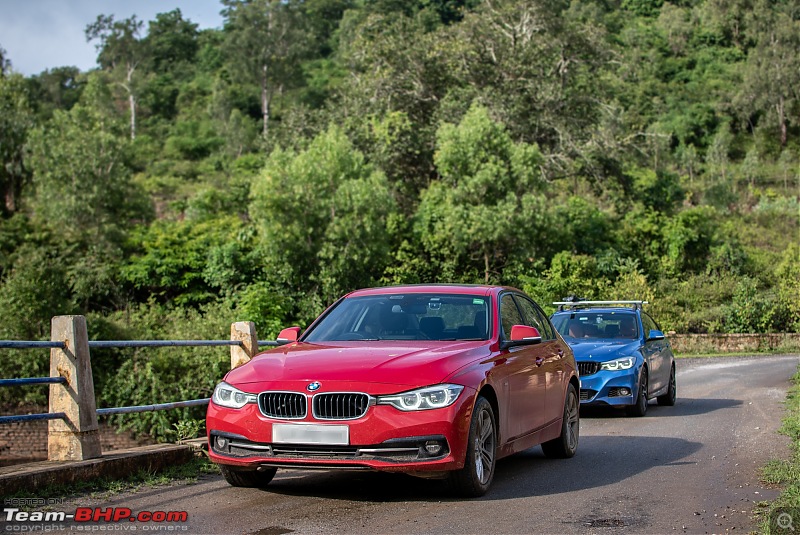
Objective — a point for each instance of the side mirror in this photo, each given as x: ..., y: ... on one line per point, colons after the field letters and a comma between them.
x: 288, y: 335
x: 655, y: 335
x: 522, y: 335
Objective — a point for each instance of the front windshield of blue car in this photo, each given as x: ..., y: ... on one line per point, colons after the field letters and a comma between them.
x: 429, y: 316
x: 581, y: 325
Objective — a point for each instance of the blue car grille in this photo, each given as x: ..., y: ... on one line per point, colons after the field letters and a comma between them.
x: 587, y: 394
x: 588, y: 368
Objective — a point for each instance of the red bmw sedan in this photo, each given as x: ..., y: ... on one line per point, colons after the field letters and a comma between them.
x: 436, y: 381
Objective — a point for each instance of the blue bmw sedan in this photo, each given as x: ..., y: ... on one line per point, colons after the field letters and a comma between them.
x: 623, y: 357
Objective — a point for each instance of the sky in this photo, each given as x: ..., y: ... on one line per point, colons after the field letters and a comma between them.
x: 43, y: 34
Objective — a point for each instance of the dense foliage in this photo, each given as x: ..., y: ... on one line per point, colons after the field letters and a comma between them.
x: 600, y: 148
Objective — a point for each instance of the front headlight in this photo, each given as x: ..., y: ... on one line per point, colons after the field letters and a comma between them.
x: 226, y: 395
x: 430, y: 397
x: 624, y: 363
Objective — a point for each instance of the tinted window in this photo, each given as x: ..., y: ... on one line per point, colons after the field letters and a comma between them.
x: 551, y: 333
x: 405, y: 317
x: 649, y: 324
x: 602, y: 325
x: 509, y: 315
x: 531, y: 316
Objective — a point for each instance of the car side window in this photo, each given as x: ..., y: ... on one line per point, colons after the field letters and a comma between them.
x: 531, y: 316
x: 509, y: 315
x: 649, y: 324
x: 551, y: 332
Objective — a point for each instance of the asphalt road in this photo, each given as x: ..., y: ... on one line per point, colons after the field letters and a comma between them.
x: 691, y: 468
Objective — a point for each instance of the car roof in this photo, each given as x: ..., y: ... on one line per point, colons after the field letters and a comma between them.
x: 615, y: 310
x: 463, y: 289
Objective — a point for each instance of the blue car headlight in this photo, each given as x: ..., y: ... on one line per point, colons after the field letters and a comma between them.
x: 624, y: 363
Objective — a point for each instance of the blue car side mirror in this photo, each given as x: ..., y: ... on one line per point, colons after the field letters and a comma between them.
x: 655, y: 335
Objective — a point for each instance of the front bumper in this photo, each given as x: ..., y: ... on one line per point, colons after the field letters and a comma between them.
x: 618, y: 388
x: 384, y: 439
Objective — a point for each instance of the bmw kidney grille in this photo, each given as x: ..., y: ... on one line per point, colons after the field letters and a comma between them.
x: 284, y: 405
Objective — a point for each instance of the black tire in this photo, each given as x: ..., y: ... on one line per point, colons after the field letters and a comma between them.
x: 475, y: 478
x: 566, y: 444
x: 668, y: 398
x: 248, y: 478
x: 640, y: 407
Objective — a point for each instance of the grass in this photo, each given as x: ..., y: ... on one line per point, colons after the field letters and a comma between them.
x: 103, y: 488
x: 784, y: 472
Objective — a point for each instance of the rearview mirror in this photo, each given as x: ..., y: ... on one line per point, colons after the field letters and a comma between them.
x: 288, y: 335
x: 522, y: 335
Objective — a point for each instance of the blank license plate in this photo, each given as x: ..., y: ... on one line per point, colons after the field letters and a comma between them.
x: 330, y: 435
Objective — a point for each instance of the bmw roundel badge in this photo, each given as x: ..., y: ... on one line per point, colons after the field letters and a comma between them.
x: 313, y: 387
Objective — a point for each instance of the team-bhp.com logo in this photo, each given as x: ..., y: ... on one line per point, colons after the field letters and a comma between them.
x: 93, y: 514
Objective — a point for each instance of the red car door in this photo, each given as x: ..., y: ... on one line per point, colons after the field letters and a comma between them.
x: 526, y: 379
x: 552, y: 353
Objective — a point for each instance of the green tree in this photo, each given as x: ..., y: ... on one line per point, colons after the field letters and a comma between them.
x: 121, y: 50
x: 772, y: 74
x: 16, y: 121
x: 485, y: 206
x: 322, y: 215
x: 5, y: 63
x: 171, y: 42
x: 57, y: 89
x: 83, y: 190
x: 78, y: 160
x: 272, y: 34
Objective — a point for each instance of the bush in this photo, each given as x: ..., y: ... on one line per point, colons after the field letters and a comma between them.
x: 162, y: 375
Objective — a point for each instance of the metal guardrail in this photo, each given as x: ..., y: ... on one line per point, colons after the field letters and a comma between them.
x: 32, y: 417
x: 9, y: 344
x: 33, y: 381
x: 14, y: 344
x: 163, y: 343
x: 150, y: 408
x: 110, y: 411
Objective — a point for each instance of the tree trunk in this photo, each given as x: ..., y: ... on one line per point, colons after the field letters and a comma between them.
x: 132, y: 101
x: 265, y: 100
x: 11, y: 199
x: 486, y: 266
x: 782, y: 120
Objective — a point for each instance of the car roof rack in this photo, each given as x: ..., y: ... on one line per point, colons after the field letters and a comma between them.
x: 577, y: 303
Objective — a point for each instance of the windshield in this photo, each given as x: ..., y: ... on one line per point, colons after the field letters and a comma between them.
x: 597, y: 325
x: 430, y: 316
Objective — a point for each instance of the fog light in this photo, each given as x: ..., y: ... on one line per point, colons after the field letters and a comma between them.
x: 624, y: 392
x: 222, y: 443
x: 433, y: 447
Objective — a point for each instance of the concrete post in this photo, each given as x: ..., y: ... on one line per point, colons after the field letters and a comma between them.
x: 77, y: 437
x: 244, y: 332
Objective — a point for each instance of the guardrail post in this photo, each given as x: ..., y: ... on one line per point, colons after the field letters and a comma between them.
x: 244, y: 332
x: 77, y: 436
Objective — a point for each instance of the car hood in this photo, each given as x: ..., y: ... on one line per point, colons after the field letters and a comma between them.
x: 352, y: 363
x: 603, y: 350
